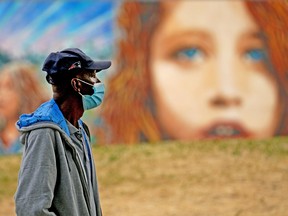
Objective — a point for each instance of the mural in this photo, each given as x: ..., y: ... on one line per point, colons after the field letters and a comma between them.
x: 190, y: 70
x: 29, y: 32
x: 184, y: 70
x: 20, y: 92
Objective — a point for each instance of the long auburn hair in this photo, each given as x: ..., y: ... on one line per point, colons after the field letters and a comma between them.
x: 272, y: 17
x: 127, y: 114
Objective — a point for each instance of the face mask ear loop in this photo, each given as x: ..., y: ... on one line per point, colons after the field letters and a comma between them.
x: 77, y: 89
x: 85, y: 82
x: 80, y: 93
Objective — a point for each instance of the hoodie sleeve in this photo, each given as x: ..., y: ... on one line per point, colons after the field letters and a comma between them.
x: 38, y: 174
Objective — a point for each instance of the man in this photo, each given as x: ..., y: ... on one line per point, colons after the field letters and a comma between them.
x: 57, y: 175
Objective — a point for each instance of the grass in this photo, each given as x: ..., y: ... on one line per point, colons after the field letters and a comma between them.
x: 209, y: 178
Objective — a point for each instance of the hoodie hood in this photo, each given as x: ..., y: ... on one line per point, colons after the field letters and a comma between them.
x: 48, y: 112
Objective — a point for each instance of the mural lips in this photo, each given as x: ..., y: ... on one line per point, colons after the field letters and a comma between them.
x: 226, y: 130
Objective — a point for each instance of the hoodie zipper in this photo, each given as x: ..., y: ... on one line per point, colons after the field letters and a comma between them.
x: 83, y: 177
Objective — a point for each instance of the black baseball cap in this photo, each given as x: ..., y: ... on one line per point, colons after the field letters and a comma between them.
x: 71, y: 59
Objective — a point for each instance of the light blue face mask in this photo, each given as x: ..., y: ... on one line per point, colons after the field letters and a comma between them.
x: 94, y: 100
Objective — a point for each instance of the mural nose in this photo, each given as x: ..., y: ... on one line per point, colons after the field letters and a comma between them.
x: 224, y: 101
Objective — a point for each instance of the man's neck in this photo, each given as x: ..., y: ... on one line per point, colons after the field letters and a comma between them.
x: 71, y: 109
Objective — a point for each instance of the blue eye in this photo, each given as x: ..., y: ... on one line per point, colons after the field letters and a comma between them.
x: 189, y: 54
x: 255, y: 54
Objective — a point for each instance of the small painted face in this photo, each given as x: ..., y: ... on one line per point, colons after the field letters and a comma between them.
x: 208, y: 73
x: 9, y: 98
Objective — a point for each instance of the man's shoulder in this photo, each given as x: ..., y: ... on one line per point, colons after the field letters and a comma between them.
x: 42, y: 133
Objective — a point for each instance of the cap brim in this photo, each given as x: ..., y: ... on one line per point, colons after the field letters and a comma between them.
x: 99, y: 65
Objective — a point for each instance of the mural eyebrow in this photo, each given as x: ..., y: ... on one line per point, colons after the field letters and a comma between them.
x: 187, y: 34
x: 256, y: 34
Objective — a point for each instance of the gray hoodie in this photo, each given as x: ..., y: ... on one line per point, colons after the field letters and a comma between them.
x: 52, y: 179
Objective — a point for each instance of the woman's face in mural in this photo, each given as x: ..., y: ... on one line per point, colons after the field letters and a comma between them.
x: 208, y: 73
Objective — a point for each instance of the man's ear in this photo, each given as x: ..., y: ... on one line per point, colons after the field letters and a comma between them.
x: 75, y: 84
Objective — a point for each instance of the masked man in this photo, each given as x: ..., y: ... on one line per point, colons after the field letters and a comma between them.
x: 57, y: 174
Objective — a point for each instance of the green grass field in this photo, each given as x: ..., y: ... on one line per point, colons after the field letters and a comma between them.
x: 208, y: 178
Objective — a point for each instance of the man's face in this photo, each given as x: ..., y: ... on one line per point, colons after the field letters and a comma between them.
x: 88, y: 79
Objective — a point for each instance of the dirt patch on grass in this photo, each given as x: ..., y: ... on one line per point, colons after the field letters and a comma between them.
x: 202, y: 179
x: 190, y: 181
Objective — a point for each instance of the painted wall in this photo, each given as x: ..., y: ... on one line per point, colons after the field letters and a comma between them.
x: 181, y: 70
